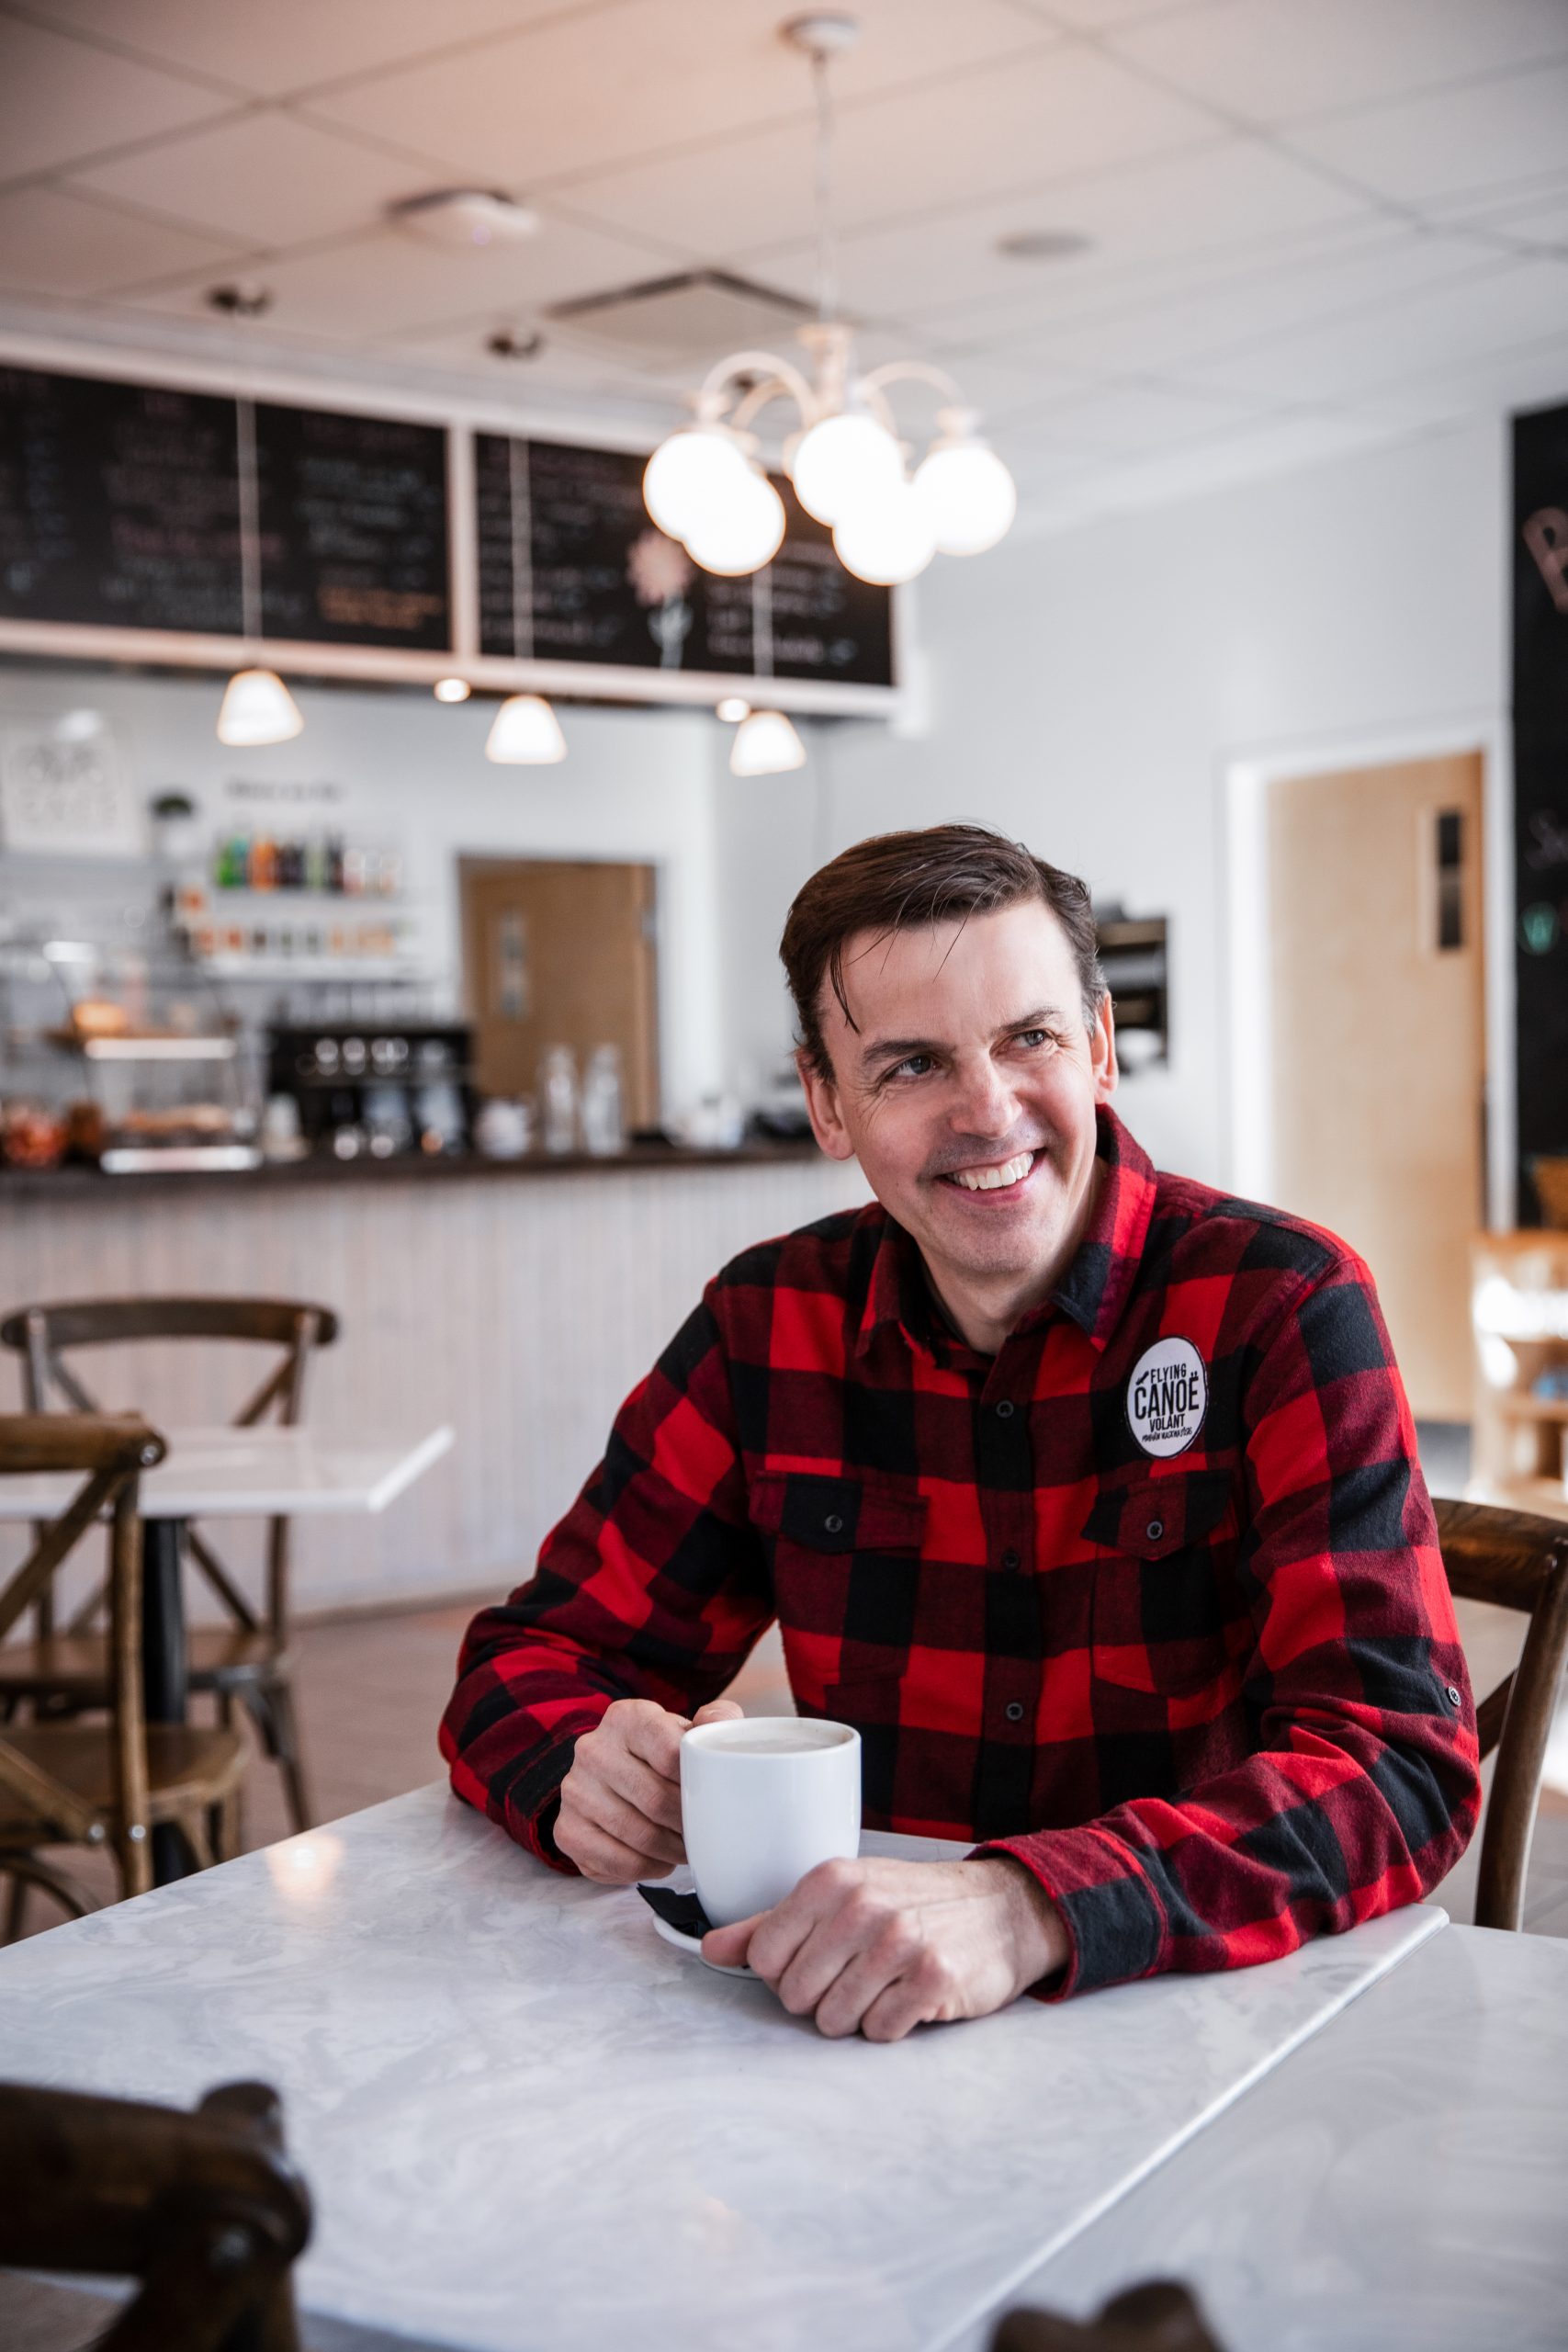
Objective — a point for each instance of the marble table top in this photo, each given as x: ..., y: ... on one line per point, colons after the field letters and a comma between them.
x: 243, y: 1474
x: 528, y: 2121
x: 1400, y: 2186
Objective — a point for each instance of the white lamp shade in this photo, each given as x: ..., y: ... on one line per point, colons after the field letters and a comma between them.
x: 968, y: 496
x: 886, y: 539
x: 840, y: 461
x: 744, y: 532
x: 257, y: 708
x: 525, y: 733
x: 765, y: 744
x: 689, y: 476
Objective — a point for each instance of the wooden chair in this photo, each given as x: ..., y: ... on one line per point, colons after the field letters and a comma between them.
x: 249, y: 1658
x: 97, y: 1784
x: 1159, y: 2316
x: 1516, y: 1561
x: 203, y: 2209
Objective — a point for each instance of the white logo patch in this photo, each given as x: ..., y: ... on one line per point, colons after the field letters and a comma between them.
x: 1168, y: 1397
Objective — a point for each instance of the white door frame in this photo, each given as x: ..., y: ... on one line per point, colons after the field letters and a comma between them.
x: 1248, y: 779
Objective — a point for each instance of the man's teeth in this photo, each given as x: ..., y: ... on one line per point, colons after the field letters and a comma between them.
x: 991, y: 1179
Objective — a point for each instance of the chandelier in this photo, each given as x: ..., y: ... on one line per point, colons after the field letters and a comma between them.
x: 705, y: 486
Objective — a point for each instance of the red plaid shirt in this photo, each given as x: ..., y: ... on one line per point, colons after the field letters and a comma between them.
x: 1212, y: 1697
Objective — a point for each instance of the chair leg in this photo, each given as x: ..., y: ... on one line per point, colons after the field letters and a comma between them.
x: 25, y: 1870
x: 286, y: 1747
x: 193, y: 1829
x: 15, y: 1910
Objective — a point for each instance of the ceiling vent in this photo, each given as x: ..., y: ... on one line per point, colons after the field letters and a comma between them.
x: 681, y: 321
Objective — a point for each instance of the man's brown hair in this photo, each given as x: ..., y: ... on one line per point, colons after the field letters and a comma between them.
x: 907, y: 882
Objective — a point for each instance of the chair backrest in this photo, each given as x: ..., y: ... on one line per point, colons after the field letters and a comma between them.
x: 111, y: 1449
x: 1515, y: 1560
x: 42, y: 1334
x: 204, y: 2209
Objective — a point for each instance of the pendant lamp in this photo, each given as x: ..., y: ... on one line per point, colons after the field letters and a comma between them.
x: 526, y: 732
x: 765, y: 744
x: 257, y: 708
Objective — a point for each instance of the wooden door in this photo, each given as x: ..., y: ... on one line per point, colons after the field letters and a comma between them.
x: 1378, y: 1034
x: 561, y: 952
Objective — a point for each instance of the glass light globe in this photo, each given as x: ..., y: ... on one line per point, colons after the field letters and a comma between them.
x: 688, y: 476
x: 842, y: 459
x: 257, y: 708
x: 526, y: 734
x: 743, y: 533
x: 886, y: 538
x: 765, y: 744
x: 968, y: 496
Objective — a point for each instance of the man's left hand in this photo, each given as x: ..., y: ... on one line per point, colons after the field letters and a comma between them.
x: 879, y: 1947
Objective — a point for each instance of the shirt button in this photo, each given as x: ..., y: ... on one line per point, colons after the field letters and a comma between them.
x: 1014, y: 1710
x: 1004, y: 1410
x: 1454, y: 1699
x: 1155, y: 1530
x: 833, y: 1523
x: 1009, y: 1559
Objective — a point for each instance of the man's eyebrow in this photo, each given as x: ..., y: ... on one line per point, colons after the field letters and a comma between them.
x: 881, y: 1050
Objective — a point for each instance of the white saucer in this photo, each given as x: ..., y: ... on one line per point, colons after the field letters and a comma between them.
x: 693, y: 1945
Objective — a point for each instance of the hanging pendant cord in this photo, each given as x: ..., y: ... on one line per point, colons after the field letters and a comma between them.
x: 250, y: 523
x: 827, y: 239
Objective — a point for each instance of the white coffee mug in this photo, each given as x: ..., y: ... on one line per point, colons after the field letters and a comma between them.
x: 762, y: 1801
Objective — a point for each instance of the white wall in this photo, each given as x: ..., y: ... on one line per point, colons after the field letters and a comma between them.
x: 1088, y: 692
x: 634, y: 785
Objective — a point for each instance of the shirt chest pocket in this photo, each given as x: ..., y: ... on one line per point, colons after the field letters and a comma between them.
x: 845, y: 1553
x: 1157, y: 1611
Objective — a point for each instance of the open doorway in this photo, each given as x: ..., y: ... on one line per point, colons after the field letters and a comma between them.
x: 1371, y: 1030
x: 561, y: 952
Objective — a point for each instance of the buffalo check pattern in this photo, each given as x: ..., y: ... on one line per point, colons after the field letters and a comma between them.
x: 1213, y: 1699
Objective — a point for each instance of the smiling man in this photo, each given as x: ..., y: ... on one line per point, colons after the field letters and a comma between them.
x: 1087, y: 1493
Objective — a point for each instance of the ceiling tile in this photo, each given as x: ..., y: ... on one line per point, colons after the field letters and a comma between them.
x: 1456, y: 142
x: 1126, y: 419
x: 58, y: 245
x: 1230, y: 195
x: 1274, y: 59
x: 1277, y: 445
x: 560, y: 368
x: 1023, y: 126
x: 1434, y: 333
x: 389, y: 281
x: 290, y: 44
x: 62, y: 98
x: 263, y: 177
x: 647, y: 76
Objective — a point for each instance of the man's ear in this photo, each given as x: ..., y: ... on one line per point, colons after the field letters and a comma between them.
x: 823, y: 1103
x: 1102, y: 1050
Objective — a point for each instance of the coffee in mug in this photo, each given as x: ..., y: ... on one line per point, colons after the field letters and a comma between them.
x: 762, y: 1801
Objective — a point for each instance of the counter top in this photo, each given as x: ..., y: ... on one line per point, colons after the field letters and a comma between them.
x: 91, y: 1183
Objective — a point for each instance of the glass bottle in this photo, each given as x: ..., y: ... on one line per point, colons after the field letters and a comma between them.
x: 558, y: 1098
x: 604, y: 1116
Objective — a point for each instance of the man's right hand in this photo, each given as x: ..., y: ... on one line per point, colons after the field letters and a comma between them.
x: 620, y: 1803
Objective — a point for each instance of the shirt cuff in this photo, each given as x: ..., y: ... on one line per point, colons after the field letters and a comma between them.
x: 1115, y: 1919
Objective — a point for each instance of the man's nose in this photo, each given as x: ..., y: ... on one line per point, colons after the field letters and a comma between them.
x: 983, y: 1104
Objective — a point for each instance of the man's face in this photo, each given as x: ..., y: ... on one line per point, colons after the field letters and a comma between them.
x: 967, y: 1088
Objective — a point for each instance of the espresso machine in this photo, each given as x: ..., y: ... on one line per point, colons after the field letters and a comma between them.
x: 376, y: 1089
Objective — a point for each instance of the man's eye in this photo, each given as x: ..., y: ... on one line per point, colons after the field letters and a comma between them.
x: 1031, y: 1037
x: 915, y: 1065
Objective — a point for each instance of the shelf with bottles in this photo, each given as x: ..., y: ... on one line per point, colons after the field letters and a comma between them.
x: 316, y: 865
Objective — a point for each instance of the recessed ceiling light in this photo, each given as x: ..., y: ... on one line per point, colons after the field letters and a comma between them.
x: 1043, y: 245
x: 466, y: 216
x: 452, y: 690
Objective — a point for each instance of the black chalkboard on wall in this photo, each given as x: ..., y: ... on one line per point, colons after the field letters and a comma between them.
x: 1540, y: 787
x: 571, y: 569
x: 353, y: 528
x: 119, y: 504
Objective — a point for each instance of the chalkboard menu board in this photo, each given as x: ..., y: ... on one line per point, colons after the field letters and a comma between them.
x: 571, y: 569
x: 1541, y: 784
x: 119, y: 504
x: 353, y: 528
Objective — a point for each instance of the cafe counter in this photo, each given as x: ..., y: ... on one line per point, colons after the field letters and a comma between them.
x: 520, y: 1301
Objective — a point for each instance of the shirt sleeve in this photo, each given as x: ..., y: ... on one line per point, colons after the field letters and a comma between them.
x: 1362, y: 1789
x: 654, y: 1585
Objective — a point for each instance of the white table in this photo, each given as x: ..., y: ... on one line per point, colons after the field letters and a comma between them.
x: 527, y: 2122
x: 229, y: 1474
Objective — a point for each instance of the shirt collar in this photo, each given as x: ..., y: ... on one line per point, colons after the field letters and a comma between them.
x: 1092, y: 1291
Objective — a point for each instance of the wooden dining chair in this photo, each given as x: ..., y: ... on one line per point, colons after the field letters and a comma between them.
x: 249, y: 1658
x: 1159, y: 2316
x: 100, y: 1784
x: 1515, y: 1560
x: 204, y: 2211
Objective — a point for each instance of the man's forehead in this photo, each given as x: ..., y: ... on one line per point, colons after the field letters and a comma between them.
x: 945, y: 966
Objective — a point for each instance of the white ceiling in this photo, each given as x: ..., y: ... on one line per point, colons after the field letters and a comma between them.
x: 1312, y: 224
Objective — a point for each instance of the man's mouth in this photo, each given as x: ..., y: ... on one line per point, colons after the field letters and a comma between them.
x: 1004, y: 1176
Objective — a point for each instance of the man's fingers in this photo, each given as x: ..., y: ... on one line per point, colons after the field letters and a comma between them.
x: 657, y: 1799
x: 601, y: 1856
x: 653, y: 1734
x: 728, y: 1946
x: 609, y: 1812
x: 895, y: 2011
x: 719, y: 1710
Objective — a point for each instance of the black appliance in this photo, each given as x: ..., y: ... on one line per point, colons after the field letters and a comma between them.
x: 376, y: 1088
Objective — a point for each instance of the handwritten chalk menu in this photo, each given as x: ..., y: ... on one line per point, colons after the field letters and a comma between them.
x: 119, y: 504
x: 1540, y: 786
x: 353, y: 528
x: 571, y: 569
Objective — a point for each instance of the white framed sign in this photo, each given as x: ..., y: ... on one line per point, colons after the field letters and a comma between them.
x: 64, y: 789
